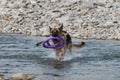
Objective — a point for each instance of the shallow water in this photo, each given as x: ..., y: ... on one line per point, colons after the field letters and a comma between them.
x: 98, y: 60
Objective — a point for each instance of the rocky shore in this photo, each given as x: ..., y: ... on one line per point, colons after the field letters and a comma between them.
x: 18, y: 76
x: 86, y: 19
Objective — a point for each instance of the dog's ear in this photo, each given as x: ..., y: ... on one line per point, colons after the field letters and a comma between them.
x: 61, y: 27
x: 50, y: 28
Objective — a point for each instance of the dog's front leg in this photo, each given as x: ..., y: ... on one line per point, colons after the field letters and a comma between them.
x: 57, y: 52
x: 37, y: 44
x: 62, y: 53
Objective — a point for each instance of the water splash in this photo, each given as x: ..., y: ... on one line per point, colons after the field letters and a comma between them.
x: 67, y: 57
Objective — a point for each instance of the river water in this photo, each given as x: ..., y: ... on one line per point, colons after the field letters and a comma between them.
x: 97, y: 60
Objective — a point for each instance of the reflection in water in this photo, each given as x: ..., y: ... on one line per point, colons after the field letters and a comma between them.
x: 98, y: 60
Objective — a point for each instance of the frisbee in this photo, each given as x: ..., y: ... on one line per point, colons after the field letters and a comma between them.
x: 60, y: 42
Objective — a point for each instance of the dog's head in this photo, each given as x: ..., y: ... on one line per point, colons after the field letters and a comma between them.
x: 56, y: 31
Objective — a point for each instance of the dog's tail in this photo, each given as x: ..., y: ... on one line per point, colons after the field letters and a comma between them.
x: 78, y: 45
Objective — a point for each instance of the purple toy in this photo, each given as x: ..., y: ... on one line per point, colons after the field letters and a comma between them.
x: 60, y: 42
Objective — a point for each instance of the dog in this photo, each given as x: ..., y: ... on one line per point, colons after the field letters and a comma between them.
x: 60, y: 53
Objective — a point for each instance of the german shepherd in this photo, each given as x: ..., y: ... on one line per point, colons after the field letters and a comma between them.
x: 60, y: 53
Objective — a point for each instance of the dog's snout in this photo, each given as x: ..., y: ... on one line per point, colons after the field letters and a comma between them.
x: 54, y: 34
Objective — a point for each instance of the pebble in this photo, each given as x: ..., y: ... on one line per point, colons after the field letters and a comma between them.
x: 94, y: 19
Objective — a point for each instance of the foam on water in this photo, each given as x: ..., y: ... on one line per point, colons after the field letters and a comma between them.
x: 71, y: 56
x: 49, y: 55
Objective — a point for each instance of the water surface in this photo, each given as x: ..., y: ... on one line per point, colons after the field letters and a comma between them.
x: 98, y: 60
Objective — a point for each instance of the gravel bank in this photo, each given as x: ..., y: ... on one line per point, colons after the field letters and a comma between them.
x: 86, y: 19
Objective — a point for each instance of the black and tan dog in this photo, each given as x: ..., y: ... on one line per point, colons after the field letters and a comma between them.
x: 60, y: 53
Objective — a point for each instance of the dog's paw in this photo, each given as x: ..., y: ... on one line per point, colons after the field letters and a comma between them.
x: 37, y: 44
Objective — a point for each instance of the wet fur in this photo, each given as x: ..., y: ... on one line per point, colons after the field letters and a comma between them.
x: 60, y: 53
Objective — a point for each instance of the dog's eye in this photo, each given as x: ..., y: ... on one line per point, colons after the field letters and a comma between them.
x: 52, y: 31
